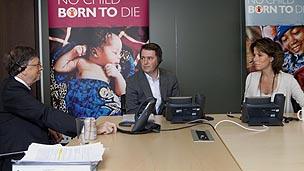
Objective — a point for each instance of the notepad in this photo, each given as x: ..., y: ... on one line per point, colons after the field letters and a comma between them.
x: 58, y: 157
x: 58, y: 153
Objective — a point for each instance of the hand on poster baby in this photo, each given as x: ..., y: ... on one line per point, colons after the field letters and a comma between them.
x: 80, y: 50
x: 112, y: 70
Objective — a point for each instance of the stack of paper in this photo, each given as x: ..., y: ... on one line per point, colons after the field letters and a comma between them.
x: 57, y: 157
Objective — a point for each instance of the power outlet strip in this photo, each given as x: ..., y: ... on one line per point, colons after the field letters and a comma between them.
x: 201, y: 136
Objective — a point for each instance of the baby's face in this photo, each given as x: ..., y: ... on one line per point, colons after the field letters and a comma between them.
x: 110, y: 52
x: 293, y: 40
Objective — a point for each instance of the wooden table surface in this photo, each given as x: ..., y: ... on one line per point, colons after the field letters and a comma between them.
x: 281, y: 148
x: 164, y: 151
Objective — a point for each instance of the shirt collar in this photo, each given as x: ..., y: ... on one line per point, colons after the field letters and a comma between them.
x: 22, y: 82
x: 150, y: 78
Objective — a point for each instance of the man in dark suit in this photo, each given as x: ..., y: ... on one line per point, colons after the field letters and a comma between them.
x: 24, y: 119
x: 150, y: 81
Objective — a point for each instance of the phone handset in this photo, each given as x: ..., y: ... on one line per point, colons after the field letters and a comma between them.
x: 142, y: 125
x: 146, y: 104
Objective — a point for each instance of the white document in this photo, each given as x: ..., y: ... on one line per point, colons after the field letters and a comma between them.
x: 90, y: 153
x: 35, y: 167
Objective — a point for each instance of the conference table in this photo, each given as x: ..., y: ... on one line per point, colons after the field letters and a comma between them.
x: 280, y: 148
x: 164, y: 151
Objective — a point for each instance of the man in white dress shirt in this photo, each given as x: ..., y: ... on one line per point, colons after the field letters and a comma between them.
x: 150, y: 81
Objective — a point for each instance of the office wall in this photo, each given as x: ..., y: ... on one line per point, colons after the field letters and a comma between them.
x: 202, y: 42
x: 17, y: 27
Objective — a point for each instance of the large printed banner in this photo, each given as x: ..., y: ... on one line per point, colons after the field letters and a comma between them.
x: 94, y: 48
x: 282, y: 21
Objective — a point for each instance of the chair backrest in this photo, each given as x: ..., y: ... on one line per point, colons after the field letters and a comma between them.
x: 296, y: 107
x: 123, y: 104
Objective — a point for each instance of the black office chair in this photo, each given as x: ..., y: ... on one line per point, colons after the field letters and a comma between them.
x: 5, y: 159
x: 123, y: 104
x: 296, y: 107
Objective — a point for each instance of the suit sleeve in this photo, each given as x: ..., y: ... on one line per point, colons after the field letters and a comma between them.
x: 175, y: 87
x: 132, y: 101
x: 19, y: 102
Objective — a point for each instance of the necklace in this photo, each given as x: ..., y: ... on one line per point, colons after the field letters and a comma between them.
x: 272, y: 86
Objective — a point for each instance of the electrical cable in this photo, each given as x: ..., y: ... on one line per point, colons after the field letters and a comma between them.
x: 288, y: 119
x: 231, y: 116
x: 188, y: 126
x: 246, y: 128
x: 179, y: 128
x: 169, y: 129
x: 173, y: 129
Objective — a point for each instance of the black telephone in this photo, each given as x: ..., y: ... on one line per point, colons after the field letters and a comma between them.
x: 259, y: 111
x: 142, y: 125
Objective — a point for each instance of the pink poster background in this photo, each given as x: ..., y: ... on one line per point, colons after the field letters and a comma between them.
x: 94, y: 13
x: 82, y: 29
